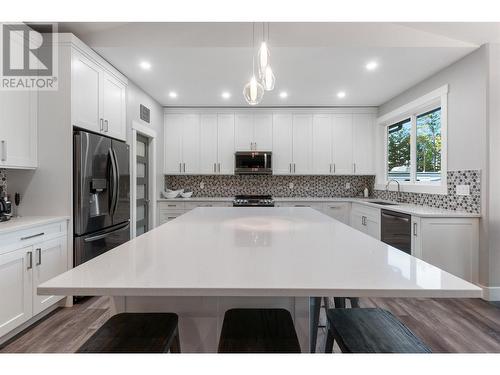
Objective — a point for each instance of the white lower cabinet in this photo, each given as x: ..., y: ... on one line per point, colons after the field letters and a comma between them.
x: 49, y: 260
x: 366, y: 219
x: 28, y: 258
x: 338, y: 210
x: 168, y: 211
x: 448, y: 243
x: 16, y: 280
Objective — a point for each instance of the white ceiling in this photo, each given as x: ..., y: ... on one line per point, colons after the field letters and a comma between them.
x: 311, y: 61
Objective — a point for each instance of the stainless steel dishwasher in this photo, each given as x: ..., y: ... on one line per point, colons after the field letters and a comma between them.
x: 396, y: 230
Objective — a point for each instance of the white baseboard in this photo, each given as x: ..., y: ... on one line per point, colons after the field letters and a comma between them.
x: 491, y: 293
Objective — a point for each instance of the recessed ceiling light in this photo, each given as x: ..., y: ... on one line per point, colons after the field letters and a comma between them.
x: 283, y: 95
x: 341, y: 94
x: 226, y: 95
x: 145, y: 65
x: 372, y: 65
x: 172, y: 94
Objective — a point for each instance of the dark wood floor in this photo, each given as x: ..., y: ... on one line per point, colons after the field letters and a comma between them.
x: 446, y: 325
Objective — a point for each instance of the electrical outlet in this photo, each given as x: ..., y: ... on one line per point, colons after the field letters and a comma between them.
x: 463, y: 190
x: 202, y: 185
x: 290, y: 185
x: 347, y: 185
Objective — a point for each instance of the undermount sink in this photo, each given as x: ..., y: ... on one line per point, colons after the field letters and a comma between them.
x: 382, y: 203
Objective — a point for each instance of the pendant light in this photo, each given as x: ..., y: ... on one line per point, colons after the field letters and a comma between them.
x: 265, y: 71
x: 253, y: 92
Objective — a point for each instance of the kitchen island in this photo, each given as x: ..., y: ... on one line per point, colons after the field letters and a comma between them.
x: 212, y: 259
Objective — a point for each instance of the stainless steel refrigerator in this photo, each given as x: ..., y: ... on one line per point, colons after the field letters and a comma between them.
x: 101, y: 177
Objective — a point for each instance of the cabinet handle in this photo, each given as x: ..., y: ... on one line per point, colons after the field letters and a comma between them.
x: 354, y: 168
x: 290, y: 167
x: 39, y: 251
x: 32, y: 236
x: 106, y: 123
x: 415, y: 229
x: 101, y: 124
x: 171, y: 205
x: 215, y: 169
x: 363, y: 220
x: 334, y: 168
x: 30, y: 260
x: 293, y: 167
x: 4, y: 151
x: 218, y: 165
x: 184, y: 167
x: 180, y: 167
x: 330, y: 168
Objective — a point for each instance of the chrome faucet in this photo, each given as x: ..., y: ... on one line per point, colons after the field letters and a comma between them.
x: 399, y: 187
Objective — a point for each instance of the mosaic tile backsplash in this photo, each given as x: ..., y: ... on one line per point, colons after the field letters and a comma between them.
x: 330, y: 186
x: 277, y: 186
x: 470, y: 203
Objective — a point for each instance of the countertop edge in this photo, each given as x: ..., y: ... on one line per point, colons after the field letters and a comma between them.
x: 27, y: 222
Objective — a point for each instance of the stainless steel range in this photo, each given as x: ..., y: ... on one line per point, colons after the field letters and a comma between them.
x: 253, y: 201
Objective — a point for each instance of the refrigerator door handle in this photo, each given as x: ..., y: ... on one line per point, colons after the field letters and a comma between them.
x: 114, y: 189
x: 117, y: 181
x: 106, y: 234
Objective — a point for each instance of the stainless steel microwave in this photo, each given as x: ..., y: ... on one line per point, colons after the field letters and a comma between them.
x: 253, y: 162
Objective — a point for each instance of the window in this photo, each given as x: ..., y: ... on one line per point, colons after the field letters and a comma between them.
x: 428, y: 144
x: 398, y: 150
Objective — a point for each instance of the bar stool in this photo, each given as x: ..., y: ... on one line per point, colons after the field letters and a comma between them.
x: 315, y: 309
x: 370, y: 331
x: 258, y: 331
x: 136, y: 333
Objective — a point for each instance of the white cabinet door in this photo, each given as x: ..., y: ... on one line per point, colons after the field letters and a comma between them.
x: 363, y: 141
x: 191, y: 144
x: 243, y: 131
x: 16, y: 280
x: 302, y: 144
x: 342, y: 144
x: 225, y: 147
x: 263, y: 131
x: 338, y: 210
x: 322, y: 144
x: 173, y: 143
x: 366, y: 220
x: 18, y: 129
x: 208, y: 144
x: 282, y: 143
x: 86, y: 99
x: 49, y: 260
x: 113, y: 107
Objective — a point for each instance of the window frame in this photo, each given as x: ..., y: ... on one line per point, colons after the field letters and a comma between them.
x: 433, y: 100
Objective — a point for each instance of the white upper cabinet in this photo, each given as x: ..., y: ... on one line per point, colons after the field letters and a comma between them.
x: 113, y: 107
x: 253, y: 131
x: 225, y: 143
x: 208, y: 143
x: 98, y: 98
x: 302, y: 144
x: 282, y: 143
x: 263, y: 131
x: 191, y: 144
x: 322, y: 144
x: 342, y: 144
x: 173, y: 143
x: 18, y: 129
x: 363, y: 144
x: 85, y: 93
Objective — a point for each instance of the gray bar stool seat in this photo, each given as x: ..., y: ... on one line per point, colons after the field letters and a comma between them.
x: 370, y: 331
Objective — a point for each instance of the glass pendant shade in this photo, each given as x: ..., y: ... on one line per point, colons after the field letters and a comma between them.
x: 263, y: 58
x: 253, y: 91
x: 268, y: 79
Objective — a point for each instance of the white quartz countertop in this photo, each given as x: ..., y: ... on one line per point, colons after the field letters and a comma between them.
x: 257, y: 251
x: 25, y: 222
x: 416, y: 210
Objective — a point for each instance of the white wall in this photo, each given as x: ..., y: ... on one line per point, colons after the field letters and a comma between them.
x: 473, y: 139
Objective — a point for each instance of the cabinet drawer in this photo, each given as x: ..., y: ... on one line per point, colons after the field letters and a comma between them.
x: 26, y: 237
x: 168, y: 215
x: 192, y: 205
x: 171, y: 205
x: 338, y: 210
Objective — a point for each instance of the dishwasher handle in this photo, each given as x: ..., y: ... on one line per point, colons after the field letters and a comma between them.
x: 395, y: 218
